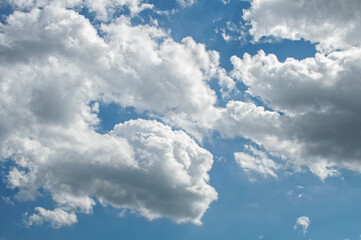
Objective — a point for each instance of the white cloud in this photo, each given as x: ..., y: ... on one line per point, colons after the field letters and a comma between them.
x: 54, y: 66
x: 314, y: 101
x: 57, y: 218
x: 303, y: 223
x: 318, y: 97
x: 256, y: 161
x: 331, y: 23
x: 186, y: 3
x: 104, y: 9
x: 233, y: 32
x: 141, y: 165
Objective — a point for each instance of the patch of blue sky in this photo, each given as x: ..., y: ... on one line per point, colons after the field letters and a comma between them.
x: 111, y: 114
x: 5, y: 10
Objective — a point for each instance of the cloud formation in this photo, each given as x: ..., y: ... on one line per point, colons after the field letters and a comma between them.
x: 314, y: 113
x: 331, y: 23
x: 56, y: 68
x: 104, y: 10
x: 303, y: 223
x: 256, y: 161
x: 57, y: 218
x: 141, y: 165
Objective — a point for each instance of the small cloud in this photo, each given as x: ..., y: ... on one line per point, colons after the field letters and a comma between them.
x: 57, y: 218
x: 122, y: 213
x: 226, y: 1
x: 220, y: 159
x: 256, y: 161
x: 302, y: 223
x: 8, y: 201
x: 186, y: 3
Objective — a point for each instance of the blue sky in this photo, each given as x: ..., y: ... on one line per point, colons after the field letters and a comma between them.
x: 189, y: 119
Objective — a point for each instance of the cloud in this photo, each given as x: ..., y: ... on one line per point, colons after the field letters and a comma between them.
x: 225, y: 1
x: 303, y: 223
x: 104, y: 9
x: 317, y: 97
x: 312, y: 117
x: 124, y: 67
x: 141, y: 165
x: 256, y: 161
x: 233, y: 32
x: 57, y: 218
x: 55, y: 71
x: 331, y: 24
x: 186, y: 3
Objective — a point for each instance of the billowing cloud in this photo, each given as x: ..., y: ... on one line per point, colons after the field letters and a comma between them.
x: 313, y: 117
x: 303, y: 223
x: 56, y: 68
x: 318, y: 98
x: 331, y: 23
x: 141, y: 165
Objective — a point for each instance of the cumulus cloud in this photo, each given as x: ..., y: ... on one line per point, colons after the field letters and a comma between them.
x: 302, y: 223
x: 313, y: 117
x: 56, y: 68
x: 57, y: 218
x: 141, y: 165
x: 137, y: 66
x: 331, y: 23
x: 318, y: 98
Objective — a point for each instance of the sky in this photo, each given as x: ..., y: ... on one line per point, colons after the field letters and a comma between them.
x: 180, y: 119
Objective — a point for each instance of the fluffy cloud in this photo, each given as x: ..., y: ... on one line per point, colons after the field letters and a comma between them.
x: 318, y: 97
x: 57, y: 218
x: 303, y: 223
x: 55, y: 68
x: 141, y: 165
x: 171, y: 80
x: 314, y: 113
x: 331, y: 23
x: 137, y: 66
